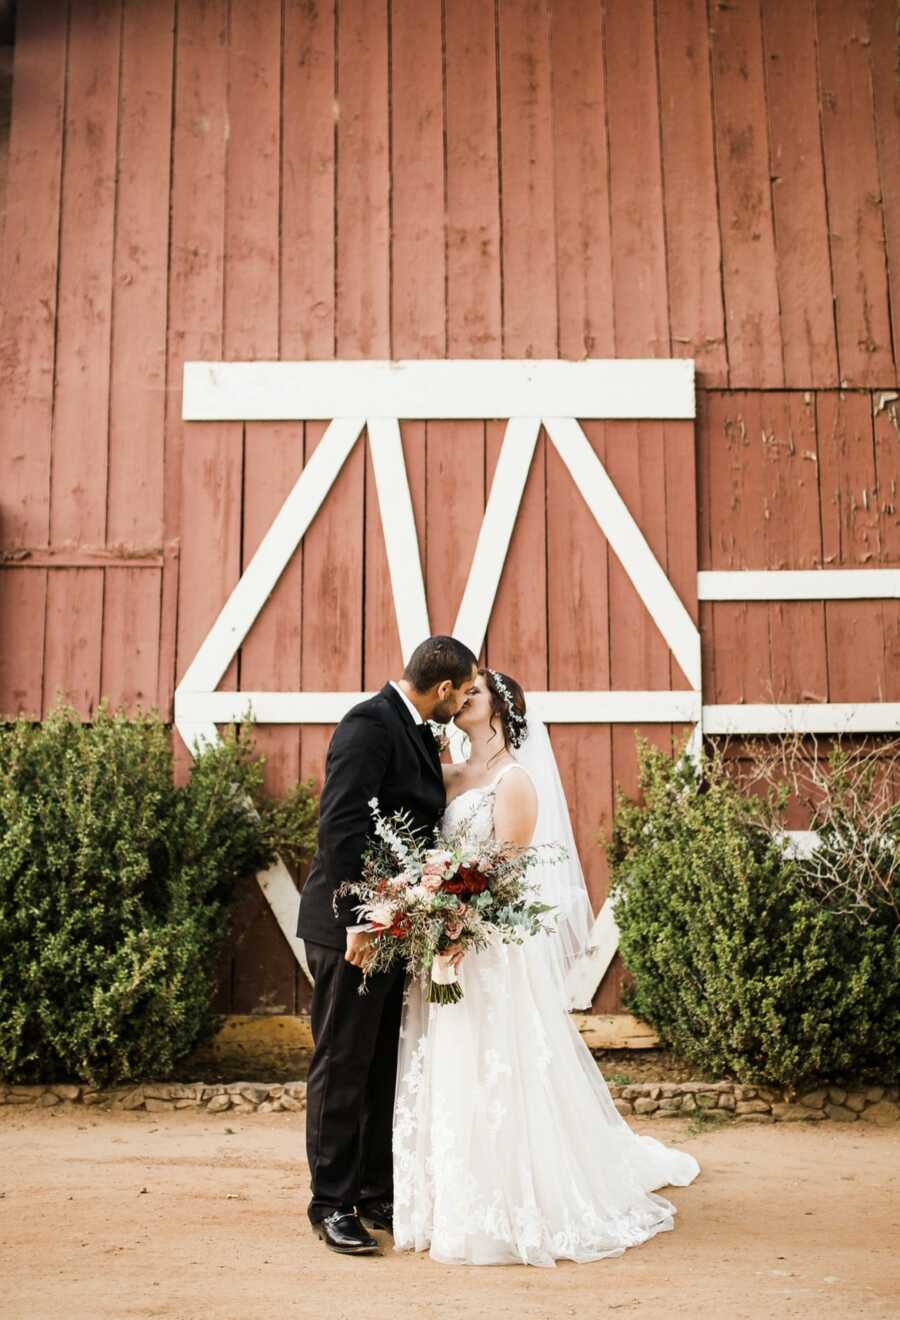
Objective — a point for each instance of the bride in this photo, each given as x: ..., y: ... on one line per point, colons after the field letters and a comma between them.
x: 508, y: 1148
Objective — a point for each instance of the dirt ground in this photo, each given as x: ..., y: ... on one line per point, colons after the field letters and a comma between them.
x: 105, y: 1216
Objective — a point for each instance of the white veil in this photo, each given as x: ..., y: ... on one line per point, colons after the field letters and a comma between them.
x: 561, y: 882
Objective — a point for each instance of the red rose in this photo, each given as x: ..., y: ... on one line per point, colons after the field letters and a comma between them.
x: 468, y: 880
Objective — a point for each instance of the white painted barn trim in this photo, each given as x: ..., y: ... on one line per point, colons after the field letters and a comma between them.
x: 501, y: 511
x: 204, y: 710
x: 808, y: 717
x: 802, y: 584
x: 309, y: 391
x: 401, y: 542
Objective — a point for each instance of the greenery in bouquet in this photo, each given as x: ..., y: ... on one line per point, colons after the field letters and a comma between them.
x: 423, y: 898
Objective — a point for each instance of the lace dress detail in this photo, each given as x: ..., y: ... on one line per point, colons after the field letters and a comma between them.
x: 508, y: 1148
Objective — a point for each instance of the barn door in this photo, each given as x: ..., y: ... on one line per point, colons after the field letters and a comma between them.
x: 559, y: 543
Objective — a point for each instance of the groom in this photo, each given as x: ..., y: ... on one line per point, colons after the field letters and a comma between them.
x: 382, y: 748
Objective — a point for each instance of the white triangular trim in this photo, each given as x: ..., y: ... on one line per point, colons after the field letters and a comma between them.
x: 249, y: 391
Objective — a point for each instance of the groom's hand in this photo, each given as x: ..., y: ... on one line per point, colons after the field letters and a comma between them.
x: 359, y: 947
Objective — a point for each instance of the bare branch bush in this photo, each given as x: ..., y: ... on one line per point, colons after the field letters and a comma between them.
x: 848, y: 793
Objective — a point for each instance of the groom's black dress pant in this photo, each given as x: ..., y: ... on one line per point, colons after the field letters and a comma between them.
x: 350, y: 1087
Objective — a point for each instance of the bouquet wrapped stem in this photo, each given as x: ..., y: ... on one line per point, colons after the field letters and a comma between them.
x: 444, y: 986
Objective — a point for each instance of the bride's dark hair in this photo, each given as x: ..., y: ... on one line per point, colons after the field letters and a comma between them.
x: 512, y: 720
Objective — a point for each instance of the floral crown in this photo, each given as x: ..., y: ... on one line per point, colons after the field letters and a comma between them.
x: 516, y: 722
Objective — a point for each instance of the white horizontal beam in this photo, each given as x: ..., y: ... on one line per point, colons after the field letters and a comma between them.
x: 615, y: 707
x: 268, y: 707
x: 480, y: 389
x: 799, y: 584
x: 811, y: 717
x: 205, y: 708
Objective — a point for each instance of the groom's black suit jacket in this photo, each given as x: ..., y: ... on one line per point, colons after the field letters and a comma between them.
x: 377, y: 750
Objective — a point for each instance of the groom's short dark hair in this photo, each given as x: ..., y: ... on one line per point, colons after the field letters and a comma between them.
x: 436, y: 659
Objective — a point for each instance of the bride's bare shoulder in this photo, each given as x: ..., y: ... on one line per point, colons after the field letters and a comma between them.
x: 451, y: 772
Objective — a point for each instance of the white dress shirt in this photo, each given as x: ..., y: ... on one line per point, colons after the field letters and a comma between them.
x: 418, y: 720
x: 407, y: 703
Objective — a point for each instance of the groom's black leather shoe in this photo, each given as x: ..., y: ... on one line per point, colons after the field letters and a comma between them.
x: 343, y: 1232
x: 378, y: 1214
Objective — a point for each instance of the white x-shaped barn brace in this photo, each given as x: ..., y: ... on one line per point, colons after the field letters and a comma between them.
x: 354, y: 396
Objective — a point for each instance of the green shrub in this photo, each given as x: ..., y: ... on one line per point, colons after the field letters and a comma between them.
x: 743, y: 963
x: 115, y: 887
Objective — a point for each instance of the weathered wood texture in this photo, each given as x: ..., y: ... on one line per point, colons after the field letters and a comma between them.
x: 274, y: 179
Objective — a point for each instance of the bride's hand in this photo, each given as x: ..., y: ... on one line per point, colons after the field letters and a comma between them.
x: 455, y: 953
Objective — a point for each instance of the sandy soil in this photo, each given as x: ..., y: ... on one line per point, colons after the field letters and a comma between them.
x: 106, y: 1216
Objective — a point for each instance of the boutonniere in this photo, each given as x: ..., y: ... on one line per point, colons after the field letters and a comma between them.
x: 439, y: 732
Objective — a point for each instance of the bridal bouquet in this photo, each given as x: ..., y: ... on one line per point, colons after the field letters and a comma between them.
x: 421, y: 899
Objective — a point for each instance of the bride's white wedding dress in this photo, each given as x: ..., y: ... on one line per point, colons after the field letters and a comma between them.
x: 508, y: 1148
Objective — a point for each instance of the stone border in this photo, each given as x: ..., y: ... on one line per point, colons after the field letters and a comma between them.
x: 160, y: 1097
x: 713, y: 1100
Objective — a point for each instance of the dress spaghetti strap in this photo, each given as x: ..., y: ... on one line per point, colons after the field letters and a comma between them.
x: 513, y: 766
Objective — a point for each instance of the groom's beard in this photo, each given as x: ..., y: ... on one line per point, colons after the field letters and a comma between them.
x: 443, y: 713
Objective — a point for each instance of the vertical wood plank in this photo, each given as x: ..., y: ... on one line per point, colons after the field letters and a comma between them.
x: 680, y: 467
x: 854, y: 196
x: 363, y: 183
x: 418, y: 311
x: 332, y: 618
x: 581, y: 182
x: 745, y: 200
x: 73, y: 638
x: 307, y: 183
x: 273, y: 454
x: 788, y: 515
x: 251, y: 318
x: 130, y: 652
x: 29, y: 269
x: 81, y: 415
x: 738, y: 632
x: 851, y: 537
x: 307, y: 262
x: 454, y: 504
x: 270, y: 655
x: 638, y: 236
x: 798, y: 194
x: 418, y: 303
x: 210, y: 535
x: 579, y: 658
x: 693, y: 247
x: 23, y: 596
x: 138, y: 345
x: 526, y: 149
x: 517, y: 634
x: 882, y: 50
x: 474, y: 320
x: 202, y: 461
x: 639, y: 657
x: 887, y: 472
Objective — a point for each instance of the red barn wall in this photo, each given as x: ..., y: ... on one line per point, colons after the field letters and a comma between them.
x: 269, y: 179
